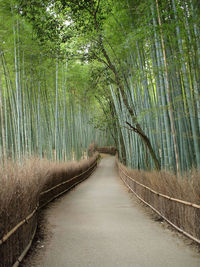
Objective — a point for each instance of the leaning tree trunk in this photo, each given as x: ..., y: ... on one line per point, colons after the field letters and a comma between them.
x: 139, y: 130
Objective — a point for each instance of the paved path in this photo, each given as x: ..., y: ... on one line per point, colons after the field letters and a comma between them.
x: 100, y: 225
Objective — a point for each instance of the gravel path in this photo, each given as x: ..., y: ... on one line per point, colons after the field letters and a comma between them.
x: 100, y: 225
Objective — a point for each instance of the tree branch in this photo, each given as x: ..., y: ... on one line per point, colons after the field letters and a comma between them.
x: 135, y: 130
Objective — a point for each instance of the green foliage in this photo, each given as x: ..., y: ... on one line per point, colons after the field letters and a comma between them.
x: 46, y: 103
x: 127, y: 61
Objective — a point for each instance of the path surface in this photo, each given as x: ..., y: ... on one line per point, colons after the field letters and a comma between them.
x: 100, y: 225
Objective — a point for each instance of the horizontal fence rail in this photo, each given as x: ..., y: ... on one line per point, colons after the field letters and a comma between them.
x: 46, y: 196
x: 65, y: 182
x: 182, y: 215
x: 42, y: 194
x: 14, y: 229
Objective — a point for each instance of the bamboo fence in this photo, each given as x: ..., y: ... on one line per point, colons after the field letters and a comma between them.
x: 15, y: 244
x: 182, y: 215
x: 107, y: 150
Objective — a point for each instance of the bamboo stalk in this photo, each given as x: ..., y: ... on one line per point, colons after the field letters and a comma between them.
x: 168, y: 92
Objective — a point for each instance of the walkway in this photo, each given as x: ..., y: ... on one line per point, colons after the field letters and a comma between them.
x: 99, y: 225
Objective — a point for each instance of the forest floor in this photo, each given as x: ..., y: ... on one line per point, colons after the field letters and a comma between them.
x: 101, y: 224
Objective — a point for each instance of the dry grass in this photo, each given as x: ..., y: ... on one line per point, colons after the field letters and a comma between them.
x: 186, y: 187
x: 21, y: 185
x: 92, y: 149
x: 60, y: 172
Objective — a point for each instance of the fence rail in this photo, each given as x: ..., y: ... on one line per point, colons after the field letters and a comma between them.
x: 182, y: 215
x: 14, y: 229
x: 87, y: 172
x: 65, y: 182
x: 47, y: 197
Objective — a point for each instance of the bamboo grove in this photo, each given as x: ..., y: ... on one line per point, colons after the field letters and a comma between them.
x: 151, y: 51
x: 149, y: 56
x: 39, y: 112
x: 123, y: 72
x: 162, y: 84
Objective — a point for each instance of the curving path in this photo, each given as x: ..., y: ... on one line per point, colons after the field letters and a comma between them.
x: 100, y: 225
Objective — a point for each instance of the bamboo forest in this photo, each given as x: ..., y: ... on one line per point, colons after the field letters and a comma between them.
x: 81, y: 79
x: 122, y: 73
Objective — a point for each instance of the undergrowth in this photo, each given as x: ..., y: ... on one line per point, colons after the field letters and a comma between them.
x: 21, y: 185
x: 185, y: 187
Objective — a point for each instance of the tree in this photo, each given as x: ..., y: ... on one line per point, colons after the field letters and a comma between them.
x: 89, y: 16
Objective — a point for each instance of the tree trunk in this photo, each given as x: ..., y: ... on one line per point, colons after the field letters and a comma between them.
x: 130, y: 110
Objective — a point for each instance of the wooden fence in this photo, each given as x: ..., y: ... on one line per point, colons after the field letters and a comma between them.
x: 182, y: 215
x: 15, y: 244
x: 107, y: 150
